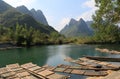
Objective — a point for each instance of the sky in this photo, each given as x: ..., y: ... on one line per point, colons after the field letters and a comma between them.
x: 59, y: 12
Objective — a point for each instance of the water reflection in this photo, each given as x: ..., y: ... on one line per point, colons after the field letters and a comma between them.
x: 57, y: 54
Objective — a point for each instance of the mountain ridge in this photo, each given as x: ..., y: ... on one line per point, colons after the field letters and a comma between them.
x: 76, y: 29
x: 4, y: 6
x: 9, y: 17
x: 36, y: 14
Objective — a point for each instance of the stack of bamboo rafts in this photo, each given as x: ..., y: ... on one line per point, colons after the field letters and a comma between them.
x: 89, y: 64
x: 107, y: 51
x: 99, y: 65
x: 76, y: 70
x: 108, y: 59
x: 42, y: 72
x: 14, y: 71
x: 28, y: 71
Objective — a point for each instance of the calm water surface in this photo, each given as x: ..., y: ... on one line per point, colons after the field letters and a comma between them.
x: 51, y: 55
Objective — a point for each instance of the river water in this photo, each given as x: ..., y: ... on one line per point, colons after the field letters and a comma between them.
x: 52, y: 54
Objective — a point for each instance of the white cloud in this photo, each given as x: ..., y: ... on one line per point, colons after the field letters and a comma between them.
x: 89, y: 4
x: 62, y: 23
x: 16, y: 3
x: 88, y: 14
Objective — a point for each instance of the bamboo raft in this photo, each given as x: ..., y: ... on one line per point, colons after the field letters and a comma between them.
x: 42, y: 72
x: 108, y: 51
x: 32, y: 71
x: 75, y: 70
x: 28, y: 71
x: 103, y: 58
x: 93, y: 64
x: 86, y: 67
x: 100, y: 63
x: 14, y: 71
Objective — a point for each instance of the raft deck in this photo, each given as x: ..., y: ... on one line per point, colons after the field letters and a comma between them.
x: 108, y: 59
x: 28, y: 71
x: 94, y: 64
x: 75, y: 70
x: 42, y: 72
x: 86, y: 67
x: 14, y: 71
x: 107, y: 51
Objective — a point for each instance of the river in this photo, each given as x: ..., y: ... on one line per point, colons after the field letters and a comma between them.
x: 52, y: 54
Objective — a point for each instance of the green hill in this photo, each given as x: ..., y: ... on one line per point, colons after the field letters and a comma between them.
x: 76, y: 29
x: 9, y: 16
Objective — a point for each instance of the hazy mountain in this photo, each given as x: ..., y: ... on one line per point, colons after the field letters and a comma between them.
x: 89, y: 23
x: 4, y: 6
x: 37, y: 15
x: 9, y: 16
x: 24, y: 10
x: 76, y: 29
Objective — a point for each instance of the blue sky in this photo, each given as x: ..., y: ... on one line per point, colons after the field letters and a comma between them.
x: 59, y: 12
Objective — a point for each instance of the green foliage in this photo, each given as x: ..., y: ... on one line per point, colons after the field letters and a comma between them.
x: 22, y: 35
x: 106, y: 21
x: 56, y: 38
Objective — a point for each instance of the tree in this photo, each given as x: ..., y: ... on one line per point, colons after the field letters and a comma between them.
x: 29, y: 36
x: 106, y: 19
x: 36, y: 37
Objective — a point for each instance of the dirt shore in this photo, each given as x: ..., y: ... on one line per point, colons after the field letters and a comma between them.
x: 6, y: 46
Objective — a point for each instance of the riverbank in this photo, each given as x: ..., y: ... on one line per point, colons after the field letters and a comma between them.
x: 7, y: 46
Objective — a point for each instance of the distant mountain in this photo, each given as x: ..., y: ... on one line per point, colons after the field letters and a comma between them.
x: 4, y: 6
x: 76, y: 29
x: 89, y: 23
x: 37, y: 15
x: 23, y: 10
x: 9, y: 16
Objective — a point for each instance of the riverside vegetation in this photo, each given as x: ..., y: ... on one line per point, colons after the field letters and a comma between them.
x: 20, y: 35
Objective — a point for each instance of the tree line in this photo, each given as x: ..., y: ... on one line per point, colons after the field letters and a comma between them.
x: 21, y: 35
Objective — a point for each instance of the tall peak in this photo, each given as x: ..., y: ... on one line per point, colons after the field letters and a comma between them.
x: 4, y: 6
x: 33, y: 10
x: 39, y: 16
x: 76, y: 29
x: 81, y: 19
x: 22, y: 6
x: 72, y: 21
x: 23, y: 9
x: 39, y: 11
